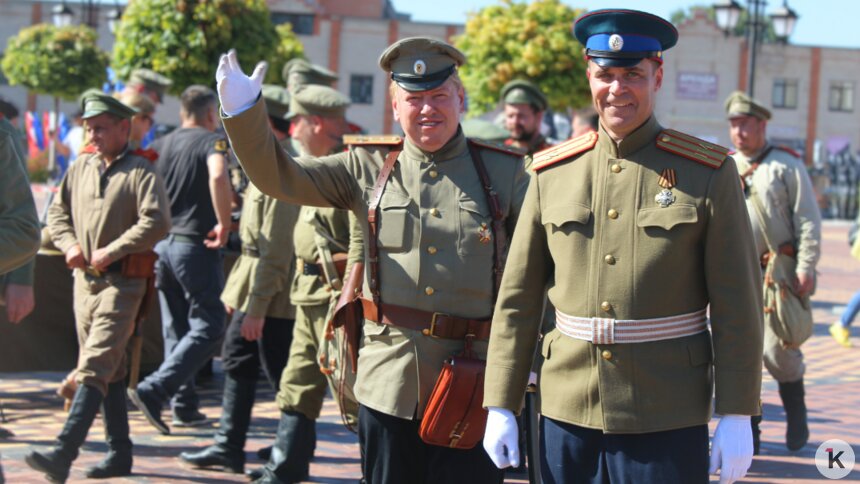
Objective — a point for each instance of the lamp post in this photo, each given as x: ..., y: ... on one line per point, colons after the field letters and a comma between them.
x: 728, y: 14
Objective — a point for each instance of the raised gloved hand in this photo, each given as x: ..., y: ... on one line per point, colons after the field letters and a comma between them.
x: 732, y: 449
x: 237, y: 91
x: 501, y: 438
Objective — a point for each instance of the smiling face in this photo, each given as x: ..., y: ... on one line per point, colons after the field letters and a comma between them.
x: 624, y: 96
x: 429, y: 118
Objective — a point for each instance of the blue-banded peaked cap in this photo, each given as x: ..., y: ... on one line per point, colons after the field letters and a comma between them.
x: 622, y: 37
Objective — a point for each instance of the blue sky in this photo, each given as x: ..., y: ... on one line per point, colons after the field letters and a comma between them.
x: 829, y: 23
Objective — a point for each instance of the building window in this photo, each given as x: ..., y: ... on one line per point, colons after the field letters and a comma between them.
x: 785, y: 93
x: 361, y: 89
x: 303, y: 24
x: 842, y: 96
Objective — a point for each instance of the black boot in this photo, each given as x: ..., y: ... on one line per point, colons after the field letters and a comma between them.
x: 57, y: 462
x: 228, y: 451
x: 294, y: 447
x: 118, y: 461
x: 797, y: 430
x: 755, y: 420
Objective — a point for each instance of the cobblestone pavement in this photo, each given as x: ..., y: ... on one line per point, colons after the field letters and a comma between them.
x: 35, y: 415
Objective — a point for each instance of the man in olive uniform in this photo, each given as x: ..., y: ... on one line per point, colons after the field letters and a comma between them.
x: 111, y: 205
x: 322, y: 238
x: 299, y: 72
x: 257, y: 294
x: 779, y: 180
x: 149, y: 83
x: 524, y: 107
x: 432, y: 280
x: 638, y: 230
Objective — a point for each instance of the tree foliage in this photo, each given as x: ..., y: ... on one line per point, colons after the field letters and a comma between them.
x: 183, y: 39
x: 523, y: 41
x: 57, y: 61
x: 289, y: 47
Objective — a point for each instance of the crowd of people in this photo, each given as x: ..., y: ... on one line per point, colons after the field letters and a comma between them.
x: 634, y: 259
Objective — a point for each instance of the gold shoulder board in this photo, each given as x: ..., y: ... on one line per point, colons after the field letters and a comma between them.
x: 563, y: 151
x: 508, y: 150
x: 692, y: 148
x: 360, y: 139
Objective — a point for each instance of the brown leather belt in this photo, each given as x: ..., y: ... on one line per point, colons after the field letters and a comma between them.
x: 437, y: 325
x: 784, y: 249
x: 316, y: 269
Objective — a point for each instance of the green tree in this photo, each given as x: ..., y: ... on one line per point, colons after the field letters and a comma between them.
x: 58, y: 61
x: 183, y: 39
x: 523, y: 41
x: 289, y: 47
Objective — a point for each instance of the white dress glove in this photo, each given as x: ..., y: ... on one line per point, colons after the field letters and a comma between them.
x: 237, y: 91
x: 732, y: 449
x: 501, y: 438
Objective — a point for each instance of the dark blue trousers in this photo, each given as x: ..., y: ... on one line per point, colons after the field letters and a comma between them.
x: 571, y: 455
x: 242, y: 359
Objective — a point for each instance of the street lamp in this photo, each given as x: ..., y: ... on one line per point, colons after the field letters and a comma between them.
x: 62, y: 15
x: 113, y: 17
x: 727, y: 13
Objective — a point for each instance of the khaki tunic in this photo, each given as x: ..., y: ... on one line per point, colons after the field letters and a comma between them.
x: 19, y: 225
x: 432, y: 256
x: 126, y: 210
x: 664, y: 262
x: 259, y: 283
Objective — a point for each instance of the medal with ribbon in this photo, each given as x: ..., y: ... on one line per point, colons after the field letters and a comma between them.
x: 667, y: 181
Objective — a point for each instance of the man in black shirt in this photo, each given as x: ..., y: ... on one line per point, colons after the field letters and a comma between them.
x: 193, y: 162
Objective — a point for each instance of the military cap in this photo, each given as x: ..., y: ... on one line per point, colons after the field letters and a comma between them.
x: 277, y: 100
x: 7, y: 109
x: 151, y: 81
x: 420, y: 63
x: 300, y: 72
x: 100, y: 103
x: 143, y: 104
x: 317, y: 100
x: 84, y: 95
x: 622, y: 38
x: 740, y: 104
x: 520, y: 91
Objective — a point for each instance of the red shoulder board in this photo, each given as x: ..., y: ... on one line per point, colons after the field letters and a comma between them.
x: 149, y: 154
x: 789, y: 151
x: 563, y: 151
x: 89, y: 148
x: 692, y: 148
x: 508, y: 150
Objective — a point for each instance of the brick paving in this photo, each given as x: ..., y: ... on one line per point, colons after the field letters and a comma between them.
x: 35, y: 414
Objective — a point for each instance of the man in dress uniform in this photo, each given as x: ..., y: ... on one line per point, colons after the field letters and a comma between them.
x: 778, y: 178
x: 257, y: 295
x: 110, y: 207
x: 432, y: 267
x: 524, y: 107
x: 321, y: 238
x: 638, y: 230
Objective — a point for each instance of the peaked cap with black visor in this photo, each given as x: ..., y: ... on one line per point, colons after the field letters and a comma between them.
x: 622, y: 37
x: 421, y: 63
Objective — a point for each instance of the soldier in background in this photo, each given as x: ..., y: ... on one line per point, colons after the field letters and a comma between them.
x: 524, y: 107
x: 585, y: 120
x: 149, y: 83
x: 778, y: 177
x: 143, y: 121
x: 299, y: 72
x: 632, y: 227
x: 257, y: 296
x: 103, y: 228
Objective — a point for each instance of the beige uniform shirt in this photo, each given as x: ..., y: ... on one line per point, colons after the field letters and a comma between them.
x: 124, y: 209
x: 432, y: 256
x: 590, y: 228
x: 783, y: 185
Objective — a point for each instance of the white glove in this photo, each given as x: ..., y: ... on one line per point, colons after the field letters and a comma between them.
x: 732, y: 449
x: 501, y: 438
x: 237, y: 91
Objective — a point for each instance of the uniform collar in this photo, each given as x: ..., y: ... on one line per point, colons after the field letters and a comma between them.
x: 97, y: 159
x: 755, y: 157
x: 633, y: 142
x: 452, y: 149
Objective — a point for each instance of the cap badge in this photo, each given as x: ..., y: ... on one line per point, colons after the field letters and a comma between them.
x: 420, y: 67
x: 667, y: 181
x: 616, y: 42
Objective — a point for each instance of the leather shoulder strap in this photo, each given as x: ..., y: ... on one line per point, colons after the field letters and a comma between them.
x: 498, y: 225
x: 373, y: 224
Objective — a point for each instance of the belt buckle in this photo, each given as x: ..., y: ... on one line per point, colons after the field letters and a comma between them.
x: 92, y: 271
x: 432, y: 331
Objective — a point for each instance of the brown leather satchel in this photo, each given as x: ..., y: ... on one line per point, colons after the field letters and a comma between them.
x: 348, y: 313
x: 140, y: 265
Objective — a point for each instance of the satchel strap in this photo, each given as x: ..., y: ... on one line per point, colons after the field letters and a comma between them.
x: 498, y: 224
x: 373, y: 224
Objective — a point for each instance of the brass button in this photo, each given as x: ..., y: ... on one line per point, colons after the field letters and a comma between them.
x: 434, y: 212
x: 606, y: 354
x: 616, y: 168
x: 606, y: 306
x: 431, y: 250
x: 612, y: 213
x: 609, y: 260
x: 665, y: 139
x: 433, y: 173
x: 429, y: 291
